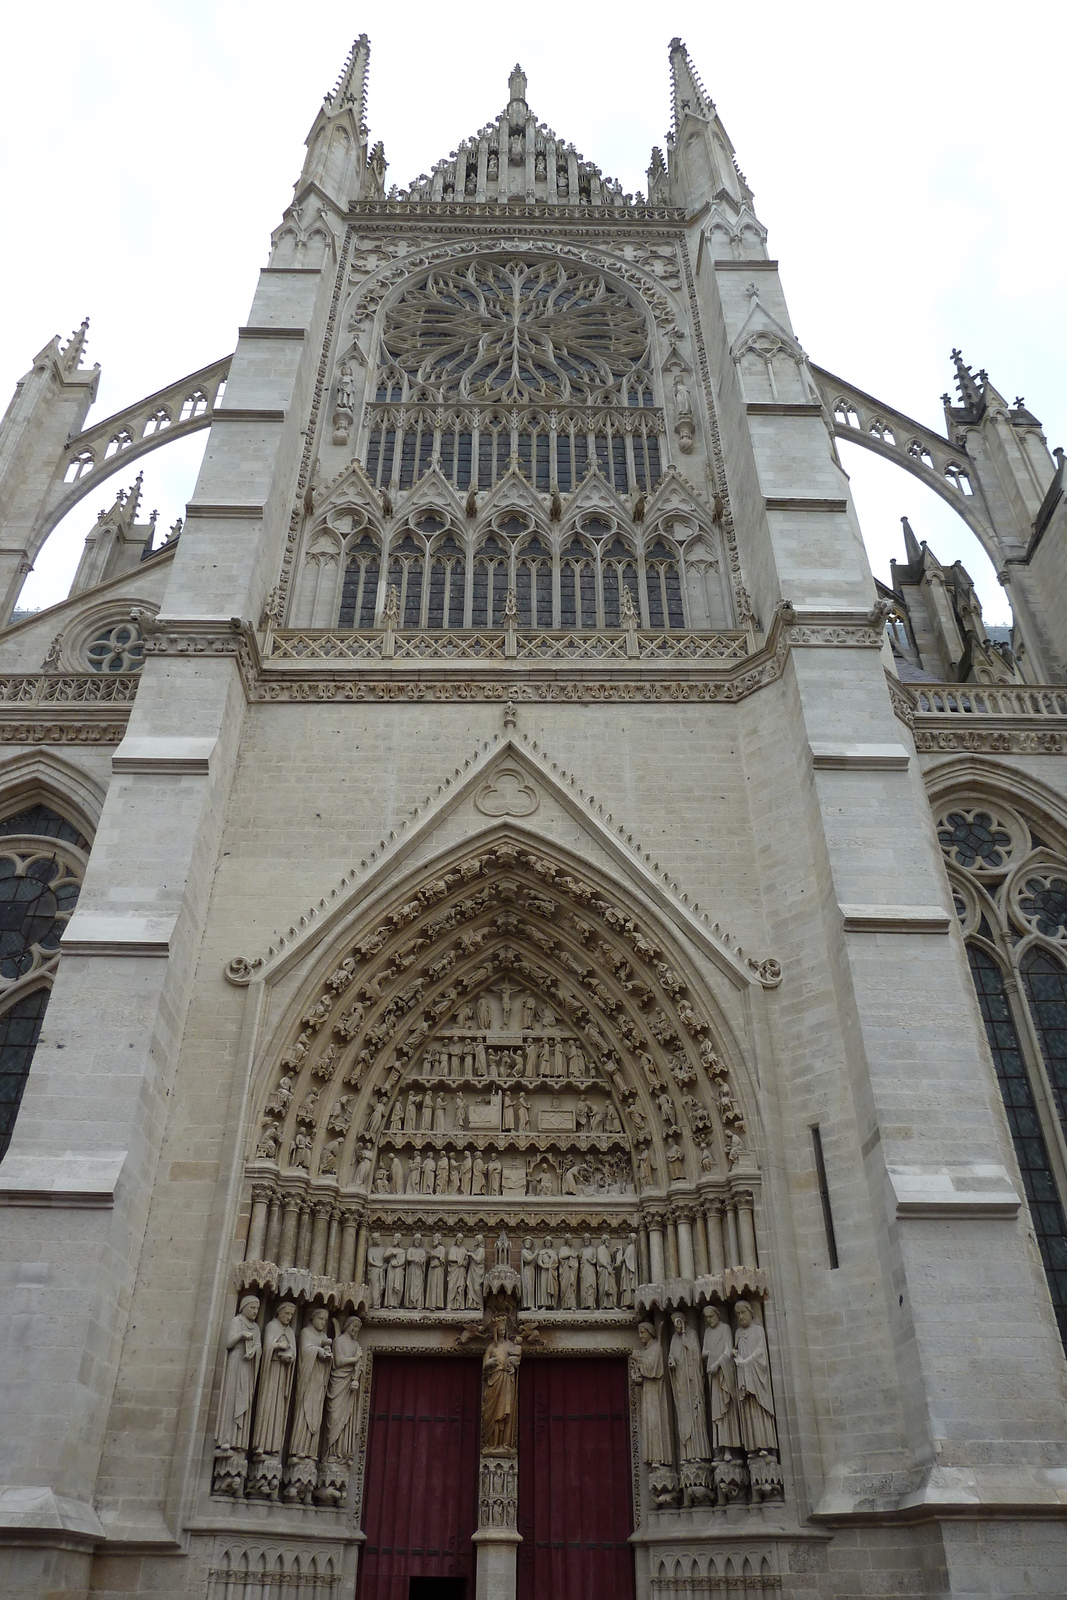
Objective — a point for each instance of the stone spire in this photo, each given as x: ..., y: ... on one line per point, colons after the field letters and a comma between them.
x: 351, y: 86
x: 970, y: 393
x: 702, y: 168
x: 911, y: 545
x: 688, y: 96
x: 71, y: 354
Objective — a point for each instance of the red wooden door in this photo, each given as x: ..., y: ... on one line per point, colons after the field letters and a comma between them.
x: 575, y: 1496
x: 420, y: 1493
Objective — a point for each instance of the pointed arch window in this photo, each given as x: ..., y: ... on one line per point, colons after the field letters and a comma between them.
x: 359, y: 591
x: 405, y: 576
x: 1031, y: 1148
x: 20, y: 1029
x: 42, y: 860
x: 618, y: 572
x: 665, y: 609
x: 1046, y: 989
x: 533, y: 584
x: 447, y: 585
x: 490, y: 584
x: 577, y: 586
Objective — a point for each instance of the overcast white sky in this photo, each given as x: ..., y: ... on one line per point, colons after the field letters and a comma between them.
x: 909, y: 166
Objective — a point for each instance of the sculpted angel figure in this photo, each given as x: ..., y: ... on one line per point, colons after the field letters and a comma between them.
x: 243, y: 1350
x: 500, y: 1366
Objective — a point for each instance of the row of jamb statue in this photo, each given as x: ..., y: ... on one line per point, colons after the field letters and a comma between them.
x: 257, y: 1386
x: 724, y: 1442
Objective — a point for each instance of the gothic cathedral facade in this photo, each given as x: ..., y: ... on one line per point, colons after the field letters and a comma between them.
x: 533, y: 1054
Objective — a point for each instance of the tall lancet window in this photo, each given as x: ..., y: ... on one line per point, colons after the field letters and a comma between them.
x: 1010, y: 893
x: 42, y: 861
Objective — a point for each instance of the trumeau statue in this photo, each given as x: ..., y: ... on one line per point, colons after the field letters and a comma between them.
x: 500, y: 1366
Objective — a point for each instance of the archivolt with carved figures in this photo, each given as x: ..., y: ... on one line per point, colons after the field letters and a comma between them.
x: 507, y: 1071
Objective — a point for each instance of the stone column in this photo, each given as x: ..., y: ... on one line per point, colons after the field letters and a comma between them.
x: 290, y: 1223
x: 713, y: 1221
x: 257, y: 1226
x: 746, y: 1230
x: 684, y: 1224
x: 320, y: 1211
x: 657, y: 1264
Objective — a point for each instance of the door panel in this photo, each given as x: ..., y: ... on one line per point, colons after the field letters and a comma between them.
x: 420, y: 1496
x: 575, y: 1498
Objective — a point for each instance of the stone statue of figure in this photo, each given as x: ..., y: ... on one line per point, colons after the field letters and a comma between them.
x: 493, y: 1173
x: 646, y: 1366
x: 485, y: 1013
x: 529, y: 1269
x: 476, y: 1274
x: 755, y: 1400
x: 547, y: 1277
x: 568, y: 1275
x: 435, y: 1275
x: 522, y: 1113
x: 346, y: 387
x: 500, y: 1366
x: 312, y: 1376
x: 426, y: 1114
x: 478, y: 1173
x: 276, y: 1381
x: 414, y: 1178
x: 607, y: 1287
x: 244, y: 1348
x: 376, y: 1269
x: 415, y: 1274
x: 628, y: 1272
x: 457, y: 1274
x: 718, y: 1353
x: 395, y: 1262
x: 687, y: 1386
x: 529, y: 1010
x: 587, y: 1274
x: 342, y: 1394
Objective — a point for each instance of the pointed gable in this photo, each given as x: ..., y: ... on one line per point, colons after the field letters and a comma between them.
x: 514, y: 156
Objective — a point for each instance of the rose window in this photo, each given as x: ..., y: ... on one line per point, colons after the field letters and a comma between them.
x: 974, y: 839
x: 1043, y: 902
x: 117, y: 649
x: 517, y: 331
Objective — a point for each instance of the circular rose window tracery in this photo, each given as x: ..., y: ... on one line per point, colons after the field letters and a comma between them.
x: 517, y: 331
x: 975, y: 839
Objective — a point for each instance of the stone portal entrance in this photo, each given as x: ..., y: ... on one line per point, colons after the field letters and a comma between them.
x: 575, y: 1499
x: 420, y: 1497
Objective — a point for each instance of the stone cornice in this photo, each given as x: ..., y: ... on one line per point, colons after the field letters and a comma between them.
x: 495, y: 676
